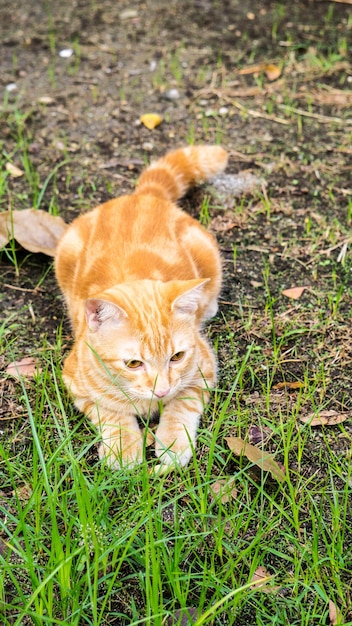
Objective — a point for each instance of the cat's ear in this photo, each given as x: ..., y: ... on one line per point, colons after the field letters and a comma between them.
x: 188, y: 301
x: 99, y: 312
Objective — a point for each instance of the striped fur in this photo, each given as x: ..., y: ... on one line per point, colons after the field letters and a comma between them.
x: 139, y: 277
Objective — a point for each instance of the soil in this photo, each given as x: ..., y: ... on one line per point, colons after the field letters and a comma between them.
x: 79, y: 117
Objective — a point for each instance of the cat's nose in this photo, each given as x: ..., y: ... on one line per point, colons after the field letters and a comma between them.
x: 161, y: 393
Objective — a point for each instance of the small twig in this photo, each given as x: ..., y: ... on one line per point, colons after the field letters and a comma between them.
x: 35, y: 290
x: 239, y: 304
x: 325, y: 119
x: 265, y: 116
x: 32, y: 314
x: 341, y: 244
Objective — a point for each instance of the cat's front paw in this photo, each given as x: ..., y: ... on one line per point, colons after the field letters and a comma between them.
x: 173, y: 451
x: 126, y: 451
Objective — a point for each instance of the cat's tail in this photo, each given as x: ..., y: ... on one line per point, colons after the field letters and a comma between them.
x: 172, y: 175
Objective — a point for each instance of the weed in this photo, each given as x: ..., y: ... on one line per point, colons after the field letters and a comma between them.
x: 204, y: 215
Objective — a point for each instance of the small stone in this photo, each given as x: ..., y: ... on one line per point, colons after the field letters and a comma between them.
x: 11, y: 87
x: 148, y: 145
x: 66, y: 53
x: 172, y: 94
x: 223, y: 111
x: 128, y: 14
x: 45, y: 100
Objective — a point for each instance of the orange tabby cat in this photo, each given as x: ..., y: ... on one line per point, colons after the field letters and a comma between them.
x: 139, y: 277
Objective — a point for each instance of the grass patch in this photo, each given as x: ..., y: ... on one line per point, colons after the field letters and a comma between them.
x: 80, y: 541
x: 81, y: 544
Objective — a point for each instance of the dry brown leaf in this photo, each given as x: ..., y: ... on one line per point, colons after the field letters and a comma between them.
x: 297, y: 384
x: 294, y: 292
x: 257, y: 456
x: 325, y: 418
x: 151, y: 120
x: 35, y: 230
x: 13, y: 170
x: 272, y: 72
x: 259, y: 579
x: 28, y: 366
x: 334, y: 614
x: 252, y: 69
x: 24, y: 492
x: 222, y: 223
x: 224, y: 490
x: 258, y: 434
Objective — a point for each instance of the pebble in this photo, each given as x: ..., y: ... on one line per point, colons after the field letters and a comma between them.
x: 172, y: 94
x: 46, y: 100
x: 223, y: 111
x: 11, y: 87
x: 66, y: 53
x: 128, y: 14
x: 148, y: 145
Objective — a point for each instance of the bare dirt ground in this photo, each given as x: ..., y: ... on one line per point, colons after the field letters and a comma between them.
x: 80, y: 117
x: 76, y: 120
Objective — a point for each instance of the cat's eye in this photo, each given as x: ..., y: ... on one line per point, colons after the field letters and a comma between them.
x: 133, y: 364
x: 177, y: 356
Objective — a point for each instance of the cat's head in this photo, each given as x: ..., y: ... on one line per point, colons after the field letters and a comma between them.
x: 145, y: 334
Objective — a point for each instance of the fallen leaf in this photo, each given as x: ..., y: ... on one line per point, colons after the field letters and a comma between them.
x: 13, y: 170
x: 325, y: 418
x: 260, y: 578
x: 257, y: 456
x: 294, y: 292
x: 35, y: 230
x: 28, y: 366
x: 297, y: 384
x: 258, y: 434
x: 222, y: 223
x: 334, y: 614
x: 151, y: 120
x: 272, y: 72
x: 252, y: 69
x: 24, y: 492
x: 223, y: 490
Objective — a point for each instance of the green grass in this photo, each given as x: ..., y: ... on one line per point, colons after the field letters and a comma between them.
x: 81, y: 544
x: 83, y: 541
